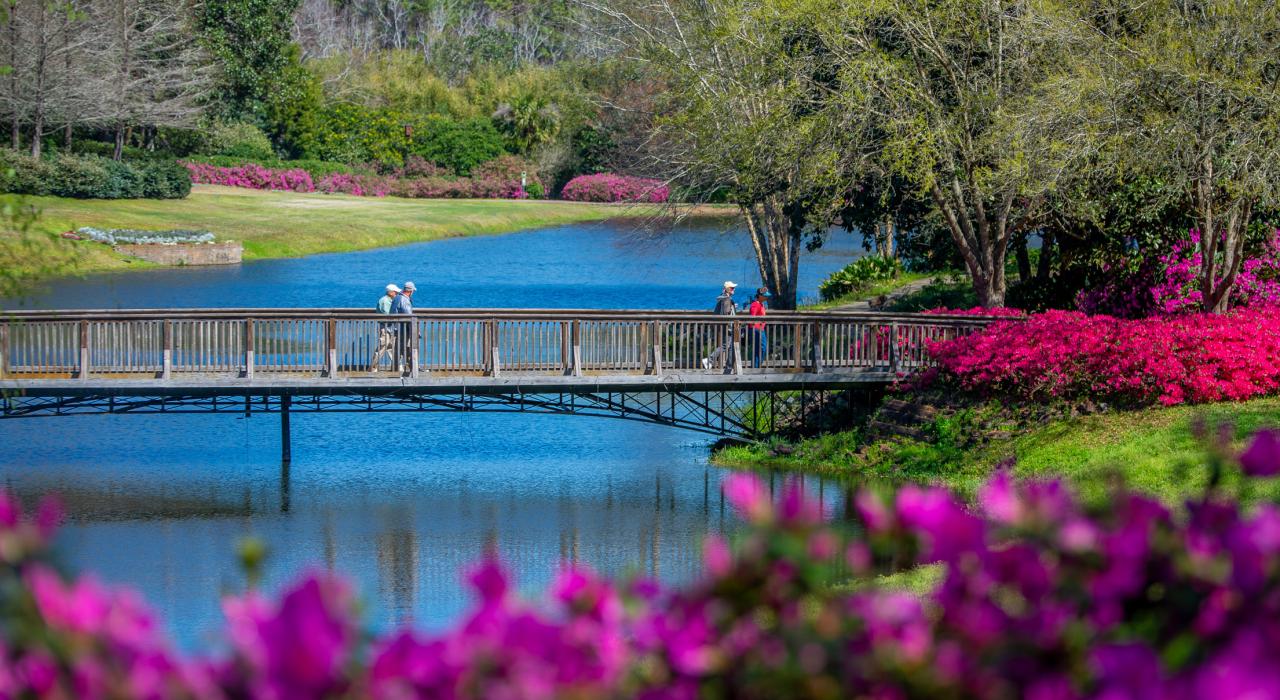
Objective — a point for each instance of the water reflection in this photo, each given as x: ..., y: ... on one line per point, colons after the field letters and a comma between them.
x: 399, y: 503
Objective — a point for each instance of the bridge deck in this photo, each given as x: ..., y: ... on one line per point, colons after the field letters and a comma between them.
x: 431, y: 384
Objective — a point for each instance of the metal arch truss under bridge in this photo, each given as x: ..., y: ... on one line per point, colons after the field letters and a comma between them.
x: 636, y: 365
x: 730, y: 411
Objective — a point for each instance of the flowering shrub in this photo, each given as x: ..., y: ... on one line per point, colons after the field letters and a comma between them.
x: 491, y: 181
x: 251, y: 176
x: 1170, y: 284
x: 1040, y: 597
x: 607, y: 187
x: 1064, y: 354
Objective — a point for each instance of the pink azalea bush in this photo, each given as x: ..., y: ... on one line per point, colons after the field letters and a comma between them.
x: 493, y: 180
x: 607, y: 187
x: 250, y: 176
x: 1040, y: 597
x: 1193, y: 358
x: 1170, y: 283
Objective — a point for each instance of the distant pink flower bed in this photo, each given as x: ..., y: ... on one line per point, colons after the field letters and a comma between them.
x: 607, y: 187
x: 1193, y: 358
x: 488, y: 185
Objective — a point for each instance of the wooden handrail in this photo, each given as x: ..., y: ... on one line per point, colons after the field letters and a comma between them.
x: 473, y: 313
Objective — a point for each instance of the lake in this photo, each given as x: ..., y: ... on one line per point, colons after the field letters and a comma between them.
x: 400, y: 504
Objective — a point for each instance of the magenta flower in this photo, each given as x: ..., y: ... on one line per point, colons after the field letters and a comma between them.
x: 1262, y: 457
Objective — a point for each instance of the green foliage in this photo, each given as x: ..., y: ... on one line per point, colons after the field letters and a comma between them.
x: 397, y: 80
x: 28, y: 256
x: 93, y: 177
x: 858, y: 276
x: 457, y: 145
x: 249, y: 40
x: 351, y: 133
x: 527, y: 122
x: 292, y: 106
x: 238, y: 140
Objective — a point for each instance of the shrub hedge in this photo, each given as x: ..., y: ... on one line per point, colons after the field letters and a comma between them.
x: 92, y: 177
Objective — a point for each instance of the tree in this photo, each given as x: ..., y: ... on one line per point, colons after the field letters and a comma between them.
x: 44, y: 47
x: 743, y: 111
x: 962, y: 96
x: 149, y: 73
x: 292, y: 109
x: 1194, y: 88
x: 250, y: 40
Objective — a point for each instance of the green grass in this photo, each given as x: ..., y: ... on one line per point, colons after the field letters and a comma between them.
x: 1153, y: 450
x: 876, y: 289
x: 286, y: 224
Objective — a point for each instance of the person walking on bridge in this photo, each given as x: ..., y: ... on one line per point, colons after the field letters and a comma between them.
x: 386, y: 331
x: 403, y: 306
x: 759, y: 342
x: 724, y: 307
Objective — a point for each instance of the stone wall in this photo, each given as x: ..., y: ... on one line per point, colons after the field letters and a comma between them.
x: 228, y: 253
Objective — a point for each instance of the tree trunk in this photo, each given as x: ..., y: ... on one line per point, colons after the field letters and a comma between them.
x: 982, y: 242
x: 1045, y: 262
x: 1023, y: 257
x: 775, y: 237
x: 66, y: 137
x: 890, y: 237
x: 37, y: 133
x: 119, y: 152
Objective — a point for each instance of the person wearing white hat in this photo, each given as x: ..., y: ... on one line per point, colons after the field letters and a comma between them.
x: 386, y: 331
x: 403, y: 306
x: 724, y: 307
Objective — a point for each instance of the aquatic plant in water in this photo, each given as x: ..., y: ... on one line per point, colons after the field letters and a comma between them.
x: 1040, y: 596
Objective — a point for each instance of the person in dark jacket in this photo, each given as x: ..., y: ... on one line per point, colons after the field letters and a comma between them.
x: 724, y: 307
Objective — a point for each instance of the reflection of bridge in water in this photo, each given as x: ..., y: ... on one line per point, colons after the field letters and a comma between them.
x: 635, y: 365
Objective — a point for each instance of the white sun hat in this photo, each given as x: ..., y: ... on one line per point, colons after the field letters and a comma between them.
x: 730, y: 284
x: 410, y: 287
x: 392, y: 288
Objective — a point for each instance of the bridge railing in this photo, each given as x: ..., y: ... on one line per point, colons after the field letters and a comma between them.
x: 245, y: 343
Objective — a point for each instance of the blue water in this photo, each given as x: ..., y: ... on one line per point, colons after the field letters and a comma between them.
x: 398, y: 503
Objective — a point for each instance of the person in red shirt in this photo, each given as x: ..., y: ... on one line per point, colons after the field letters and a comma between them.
x: 759, y: 341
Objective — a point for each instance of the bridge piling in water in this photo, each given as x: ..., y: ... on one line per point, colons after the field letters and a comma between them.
x: 286, y: 436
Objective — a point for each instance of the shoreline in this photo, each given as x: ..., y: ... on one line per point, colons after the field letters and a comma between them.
x: 274, y: 225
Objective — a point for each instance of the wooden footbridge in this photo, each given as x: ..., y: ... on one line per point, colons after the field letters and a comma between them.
x: 638, y: 365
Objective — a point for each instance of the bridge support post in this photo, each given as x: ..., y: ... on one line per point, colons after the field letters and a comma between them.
x: 331, y: 348
x: 4, y: 350
x: 83, y: 372
x: 737, y: 348
x: 413, y: 349
x: 894, y: 360
x: 286, y: 439
x: 166, y: 362
x: 577, y: 348
x: 248, y: 349
x: 816, y: 332
x: 657, y: 349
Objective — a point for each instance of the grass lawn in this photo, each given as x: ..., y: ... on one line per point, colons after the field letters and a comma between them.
x: 287, y: 224
x: 1152, y: 450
